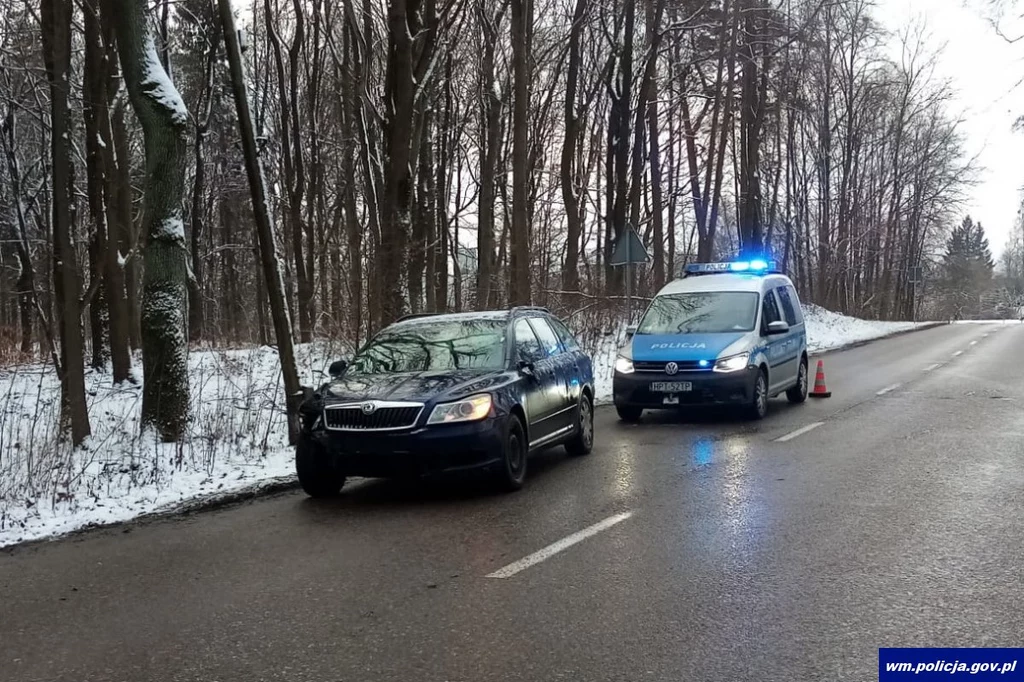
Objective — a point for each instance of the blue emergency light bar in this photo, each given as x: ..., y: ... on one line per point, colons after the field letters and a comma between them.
x: 757, y: 266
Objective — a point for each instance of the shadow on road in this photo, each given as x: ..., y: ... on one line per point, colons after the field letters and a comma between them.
x: 434, y: 491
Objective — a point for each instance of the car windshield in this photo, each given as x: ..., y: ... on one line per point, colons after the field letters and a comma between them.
x: 433, y: 347
x: 701, y: 313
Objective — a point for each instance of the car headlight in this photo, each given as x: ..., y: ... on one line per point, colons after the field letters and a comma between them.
x: 733, y: 364
x: 471, y: 409
x: 623, y: 365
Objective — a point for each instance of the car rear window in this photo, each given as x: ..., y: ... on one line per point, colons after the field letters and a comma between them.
x: 714, y: 312
x: 433, y: 347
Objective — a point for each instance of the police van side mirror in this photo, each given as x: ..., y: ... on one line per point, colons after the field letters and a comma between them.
x: 777, y: 327
x: 630, y: 331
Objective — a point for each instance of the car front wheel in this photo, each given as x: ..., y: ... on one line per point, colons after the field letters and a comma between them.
x: 759, y: 400
x: 316, y: 472
x: 630, y: 415
x: 511, y: 471
x: 798, y: 393
x: 583, y: 442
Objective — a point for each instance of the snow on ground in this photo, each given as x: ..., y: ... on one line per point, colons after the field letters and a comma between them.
x: 827, y: 330
x: 236, y: 441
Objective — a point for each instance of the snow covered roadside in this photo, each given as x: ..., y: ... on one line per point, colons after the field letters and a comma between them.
x: 826, y: 331
x: 237, y: 441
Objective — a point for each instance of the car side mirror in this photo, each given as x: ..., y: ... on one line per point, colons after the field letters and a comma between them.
x: 630, y: 331
x: 526, y: 368
x: 777, y: 327
x: 337, y: 368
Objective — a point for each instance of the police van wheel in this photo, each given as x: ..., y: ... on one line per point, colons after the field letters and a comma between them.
x: 798, y: 394
x: 630, y: 415
x: 758, y: 407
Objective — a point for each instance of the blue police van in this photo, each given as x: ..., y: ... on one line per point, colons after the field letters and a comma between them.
x: 723, y: 334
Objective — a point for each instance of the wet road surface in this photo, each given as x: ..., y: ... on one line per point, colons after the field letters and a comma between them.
x: 705, y: 548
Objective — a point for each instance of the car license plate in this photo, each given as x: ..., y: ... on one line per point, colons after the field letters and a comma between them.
x: 671, y: 386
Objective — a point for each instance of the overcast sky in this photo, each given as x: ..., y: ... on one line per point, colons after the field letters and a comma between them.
x: 985, y: 70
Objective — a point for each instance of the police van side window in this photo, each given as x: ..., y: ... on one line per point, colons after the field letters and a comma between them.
x: 769, y: 311
x: 796, y: 303
x: 787, y: 305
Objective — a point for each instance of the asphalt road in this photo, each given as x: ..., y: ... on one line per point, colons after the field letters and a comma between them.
x: 724, y: 554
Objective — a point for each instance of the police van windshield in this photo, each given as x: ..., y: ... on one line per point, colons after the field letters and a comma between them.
x: 716, y: 312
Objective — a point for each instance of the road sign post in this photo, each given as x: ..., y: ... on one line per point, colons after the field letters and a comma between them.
x: 628, y: 251
x: 914, y: 275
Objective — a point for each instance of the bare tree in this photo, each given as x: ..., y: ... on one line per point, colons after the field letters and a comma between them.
x: 164, y: 320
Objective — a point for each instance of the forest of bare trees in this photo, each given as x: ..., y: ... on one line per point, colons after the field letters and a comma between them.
x: 398, y: 156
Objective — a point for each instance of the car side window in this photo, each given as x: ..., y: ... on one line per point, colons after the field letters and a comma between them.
x: 564, y: 335
x: 769, y: 311
x: 796, y: 304
x: 548, y: 341
x: 788, y: 309
x: 527, y: 346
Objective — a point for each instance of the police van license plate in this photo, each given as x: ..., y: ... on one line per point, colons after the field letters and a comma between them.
x: 671, y: 386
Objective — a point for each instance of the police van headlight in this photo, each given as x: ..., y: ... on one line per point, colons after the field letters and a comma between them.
x: 733, y: 364
x: 623, y: 365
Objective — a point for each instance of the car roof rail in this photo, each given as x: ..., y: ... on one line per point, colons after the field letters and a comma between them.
x: 530, y: 309
x: 416, y: 316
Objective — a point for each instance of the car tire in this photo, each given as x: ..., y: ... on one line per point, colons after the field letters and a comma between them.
x: 317, y: 475
x: 758, y: 407
x: 515, y: 450
x: 583, y: 442
x: 630, y: 415
x: 798, y: 394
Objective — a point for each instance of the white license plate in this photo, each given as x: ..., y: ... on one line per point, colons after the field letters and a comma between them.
x: 671, y: 386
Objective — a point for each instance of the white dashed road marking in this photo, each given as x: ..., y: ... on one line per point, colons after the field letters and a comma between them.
x: 888, y: 389
x: 931, y: 368
x: 974, y: 343
x: 958, y: 354
x: 799, y: 432
x: 556, y: 547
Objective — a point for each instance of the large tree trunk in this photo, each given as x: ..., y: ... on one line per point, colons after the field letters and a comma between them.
x: 164, y: 319
x: 113, y: 270
x: 197, y: 216
x: 751, y: 210
x: 126, y: 234
x: 56, y: 26
x: 519, y: 261
x: 490, y: 145
x: 264, y: 227
x: 570, y: 196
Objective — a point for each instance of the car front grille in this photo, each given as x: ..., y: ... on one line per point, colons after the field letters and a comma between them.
x: 379, y: 417
x: 684, y: 366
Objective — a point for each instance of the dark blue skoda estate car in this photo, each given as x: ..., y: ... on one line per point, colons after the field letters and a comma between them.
x: 443, y: 393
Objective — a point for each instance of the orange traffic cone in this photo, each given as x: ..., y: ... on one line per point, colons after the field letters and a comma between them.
x: 819, y: 383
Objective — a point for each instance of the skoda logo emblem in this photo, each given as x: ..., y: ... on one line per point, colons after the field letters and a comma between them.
x: 671, y: 368
x: 369, y: 408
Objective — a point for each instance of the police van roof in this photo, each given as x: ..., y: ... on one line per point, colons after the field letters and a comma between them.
x: 725, y: 281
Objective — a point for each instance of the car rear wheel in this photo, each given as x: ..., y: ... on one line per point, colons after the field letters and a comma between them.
x: 628, y: 414
x: 758, y: 407
x: 511, y: 472
x: 583, y: 442
x: 317, y: 474
x: 798, y: 394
